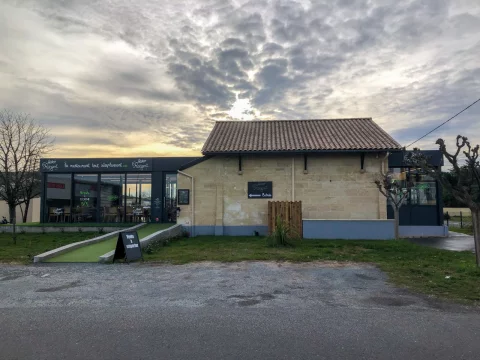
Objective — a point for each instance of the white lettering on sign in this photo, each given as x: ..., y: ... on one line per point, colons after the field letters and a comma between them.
x: 130, y: 246
x: 50, y: 165
x: 80, y: 166
x: 140, y: 164
x: 111, y: 165
x: 130, y: 237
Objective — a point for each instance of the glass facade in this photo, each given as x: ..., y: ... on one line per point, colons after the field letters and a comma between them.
x: 110, y: 190
x: 138, y: 197
x: 112, y: 197
x: 171, y: 197
x: 107, y: 198
x: 58, y: 197
x: 85, y: 198
x: 424, y: 189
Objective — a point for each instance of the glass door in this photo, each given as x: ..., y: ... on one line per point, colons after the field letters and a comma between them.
x: 170, y: 198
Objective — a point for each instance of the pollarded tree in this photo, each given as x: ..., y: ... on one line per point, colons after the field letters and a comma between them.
x: 396, y: 193
x: 22, y: 143
x: 465, y: 185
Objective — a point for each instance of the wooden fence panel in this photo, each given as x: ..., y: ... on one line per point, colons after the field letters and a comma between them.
x: 288, y: 211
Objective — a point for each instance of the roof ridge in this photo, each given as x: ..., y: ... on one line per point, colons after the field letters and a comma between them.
x: 279, y: 120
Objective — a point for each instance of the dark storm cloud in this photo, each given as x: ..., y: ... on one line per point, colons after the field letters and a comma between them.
x: 198, y: 85
x: 232, y: 42
x: 272, y: 49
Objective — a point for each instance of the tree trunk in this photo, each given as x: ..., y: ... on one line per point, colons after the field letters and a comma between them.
x: 397, y: 222
x: 476, y: 233
x: 11, y: 211
x: 25, y: 213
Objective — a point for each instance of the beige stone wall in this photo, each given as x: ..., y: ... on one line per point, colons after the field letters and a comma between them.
x: 333, y: 188
x: 33, y: 212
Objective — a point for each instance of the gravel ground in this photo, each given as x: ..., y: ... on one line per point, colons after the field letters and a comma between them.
x: 261, y: 310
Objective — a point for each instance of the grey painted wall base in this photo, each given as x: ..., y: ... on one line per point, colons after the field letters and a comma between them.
x: 56, y: 229
x: 212, y: 230
x: 349, y: 229
x: 171, y: 232
x: 61, y: 250
x: 330, y: 229
x: 423, y: 231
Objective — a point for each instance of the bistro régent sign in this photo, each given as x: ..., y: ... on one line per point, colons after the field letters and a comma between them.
x: 101, y: 165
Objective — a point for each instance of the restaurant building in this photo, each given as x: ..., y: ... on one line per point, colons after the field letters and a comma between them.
x: 110, y: 190
x: 328, y: 165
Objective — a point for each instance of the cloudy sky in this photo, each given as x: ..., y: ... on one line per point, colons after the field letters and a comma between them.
x: 150, y: 77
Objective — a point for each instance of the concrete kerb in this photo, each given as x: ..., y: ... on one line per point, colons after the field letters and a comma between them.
x: 175, y: 230
x: 70, y: 247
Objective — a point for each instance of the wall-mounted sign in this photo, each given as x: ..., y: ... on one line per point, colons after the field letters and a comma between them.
x: 260, y: 190
x: 52, y: 185
x: 128, y: 247
x: 94, y: 165
x: 183, y: 197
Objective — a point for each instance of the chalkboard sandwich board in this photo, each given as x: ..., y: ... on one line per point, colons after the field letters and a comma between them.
x: 128, y: 247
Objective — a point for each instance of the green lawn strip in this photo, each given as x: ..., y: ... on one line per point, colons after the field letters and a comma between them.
x: 91, y: 253
x: 29, y: 245
x: 150, y: 229
x: 465, y: 230
x: 442, y: 273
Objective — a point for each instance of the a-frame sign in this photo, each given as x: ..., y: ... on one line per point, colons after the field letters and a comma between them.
x: 128, y: 247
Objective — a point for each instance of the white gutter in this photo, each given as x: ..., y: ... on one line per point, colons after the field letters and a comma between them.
x: 293, y: 178
x: 193, y: 200
x: 383, y: 163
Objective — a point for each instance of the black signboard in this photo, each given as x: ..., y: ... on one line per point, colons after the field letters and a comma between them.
x: 128, y: 247
x: 260, y: 190
x: 183, y: 197
x: 93, y: 165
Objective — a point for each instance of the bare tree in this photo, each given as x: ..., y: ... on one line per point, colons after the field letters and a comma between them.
x: 32, y: 190
x: 465, y: 185
x: 396, y: 193
x: 22, y: 143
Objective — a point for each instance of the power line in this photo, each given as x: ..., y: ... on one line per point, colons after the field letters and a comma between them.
x: 443, y: 123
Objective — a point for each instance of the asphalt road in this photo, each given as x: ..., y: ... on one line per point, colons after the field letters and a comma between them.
x: 255, y: 310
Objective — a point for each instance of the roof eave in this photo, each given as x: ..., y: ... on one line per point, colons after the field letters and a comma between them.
x: 236, y: 152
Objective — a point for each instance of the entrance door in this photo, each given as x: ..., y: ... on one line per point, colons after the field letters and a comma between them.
x: 170, y: 198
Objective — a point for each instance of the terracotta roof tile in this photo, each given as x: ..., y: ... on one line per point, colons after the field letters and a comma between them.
x: 298, y: 135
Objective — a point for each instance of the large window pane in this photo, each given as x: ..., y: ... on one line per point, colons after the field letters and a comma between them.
x: 138, y: 194
x: 58, y: 193
x: 85, y: 197
x: 171, y: 197
x: 111, y: 197
x: 423, y: 190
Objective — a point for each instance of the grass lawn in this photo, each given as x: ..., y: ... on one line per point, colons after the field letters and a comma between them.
x: 81, y: 224
x: 29, y: 245
x: 465, y: 230
x: 427, y: 270
x: 91, y: 253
